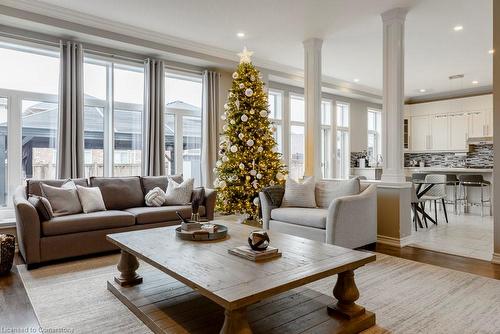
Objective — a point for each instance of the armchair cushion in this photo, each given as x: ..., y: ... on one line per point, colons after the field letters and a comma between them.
x: 274, y: 194
x: 301, y: 216
x: 327, y: 191
x: 299, y: 194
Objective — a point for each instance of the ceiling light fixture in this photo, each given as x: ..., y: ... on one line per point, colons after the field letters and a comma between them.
x: 492, y: 51
x: 475, y: 82
x: 458, y: 28
x: 240, y: 34
x: 422, y: 90
x: 356, y: 80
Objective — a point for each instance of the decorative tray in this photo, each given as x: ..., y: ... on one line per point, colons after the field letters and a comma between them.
x: 202, y: 235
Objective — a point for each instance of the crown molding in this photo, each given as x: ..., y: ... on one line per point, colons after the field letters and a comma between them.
x: 71, y: 20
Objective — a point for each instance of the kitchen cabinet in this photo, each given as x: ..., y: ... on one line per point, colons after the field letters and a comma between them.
x: 439, y: 137
x: 459, y: 131
x: 481, y: 123
x: 419, y: 133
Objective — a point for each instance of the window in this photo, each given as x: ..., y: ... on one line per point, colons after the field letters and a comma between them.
x: 343, y: 152
x: 374, y: 134
x: 114, y: 107
x: 183, y: 96
x: 297, y: 137
x: 29, y: 114
x: 326, y: 138
x: 276, y: 116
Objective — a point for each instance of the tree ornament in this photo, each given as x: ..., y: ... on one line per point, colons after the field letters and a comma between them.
x: 250, y: 142
x: 233, y: 122
x: 225, y: 127
x: 226, y: 106
x: 223, y: 117
x: 218, y: 163
x: 242, y: 85
x: 222, y: 184
x: 244, y: 118
x: 245, y: 56
x: 253, y: 172
x: 234, y: 148
x: 247, y: 178
x: 225, y: 159
x: 241, y: 136
x: 280, y: 176
x: 256, y: 201
x: 271, y: 183
x: 249, y: 92
x: 259, y: 176
x: 263, y: 113
x: 252, y: 78
x: 252, y: 111
x: 235, y: 75
x: 237, y: 103
x: 260, y: 149
x: 242, y: 165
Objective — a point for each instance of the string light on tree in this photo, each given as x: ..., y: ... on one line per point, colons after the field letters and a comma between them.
x: 248, y: 157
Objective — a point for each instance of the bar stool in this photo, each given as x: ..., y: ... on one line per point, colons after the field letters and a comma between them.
x: 418, y: 176
x: 437, y: 192
x: 472, y: 180
x: 452, y: 181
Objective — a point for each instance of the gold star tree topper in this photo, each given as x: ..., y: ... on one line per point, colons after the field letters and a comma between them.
x: 245, y: 56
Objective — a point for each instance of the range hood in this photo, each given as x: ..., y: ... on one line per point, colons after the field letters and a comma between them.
x: 480, y: 140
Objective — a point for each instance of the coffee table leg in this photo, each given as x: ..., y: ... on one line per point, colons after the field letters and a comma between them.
x: 346, y: 293
x: 235, y: 322
x: 127, y: 266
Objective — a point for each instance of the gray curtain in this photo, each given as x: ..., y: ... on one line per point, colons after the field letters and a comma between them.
x: 70, y: 154
x: 210, y: 129
x: 153, y: 162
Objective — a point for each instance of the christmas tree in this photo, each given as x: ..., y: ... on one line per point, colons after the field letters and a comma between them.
x: 248, y: 158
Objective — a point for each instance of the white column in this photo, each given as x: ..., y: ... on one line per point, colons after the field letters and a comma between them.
x: 393, y: 95
x: 312, y: 96
x: 496, y: 131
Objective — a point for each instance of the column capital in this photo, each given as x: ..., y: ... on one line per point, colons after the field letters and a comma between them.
x: 395, y: 15
x: 313, y: 43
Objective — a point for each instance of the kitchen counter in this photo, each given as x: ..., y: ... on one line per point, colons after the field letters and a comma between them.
x: 450, y: 170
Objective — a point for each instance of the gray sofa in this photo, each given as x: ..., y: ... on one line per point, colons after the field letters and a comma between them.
x: 347, y: 221
x: 85, y: 233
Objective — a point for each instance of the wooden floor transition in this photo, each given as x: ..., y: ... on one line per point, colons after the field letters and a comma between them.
x: 16, y: 310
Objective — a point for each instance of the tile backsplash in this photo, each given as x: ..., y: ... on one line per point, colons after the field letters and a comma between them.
x: 478, y: 156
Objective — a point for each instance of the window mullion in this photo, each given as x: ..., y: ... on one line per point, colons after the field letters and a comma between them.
x: 109, y: 123
x: 179, y: 145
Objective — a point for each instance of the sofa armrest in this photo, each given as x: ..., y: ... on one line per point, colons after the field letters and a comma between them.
x: 352, y: 220
x: 209, y: 202
x: 266, y: 206
x: 27, y: 227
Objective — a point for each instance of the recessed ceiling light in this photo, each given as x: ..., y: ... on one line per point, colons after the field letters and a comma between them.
x: 356, y: 80
x: 475, y: 82
x: 492, y: 51
x: 422, y: 90
x: 240, y: 34
x: 458, y: 28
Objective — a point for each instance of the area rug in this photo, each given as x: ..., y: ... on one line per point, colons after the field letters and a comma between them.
x: 406, y: 296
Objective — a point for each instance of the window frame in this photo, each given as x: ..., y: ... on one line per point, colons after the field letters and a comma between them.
x: 376, y: 133
x: 291, y: 123
x: 328, y: 167
x: 279, y: 95
x: 346, y: 130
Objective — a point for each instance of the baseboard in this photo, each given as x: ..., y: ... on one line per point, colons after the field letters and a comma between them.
x: 496, y: 258
x: 395, y: 242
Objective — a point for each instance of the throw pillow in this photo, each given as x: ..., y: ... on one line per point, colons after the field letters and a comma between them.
x: 69, y: 184
x: 328, y: 190
x: 179, y: 193
x: 155, y: 197
x: 63, y: 201
x: 42, y: 206
x: 91, y: 199
x: 299, y: 194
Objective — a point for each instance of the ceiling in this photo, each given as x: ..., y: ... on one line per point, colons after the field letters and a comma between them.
x: 351, y: 31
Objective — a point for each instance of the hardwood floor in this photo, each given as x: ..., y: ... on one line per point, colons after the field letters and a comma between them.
x: 16, y: 311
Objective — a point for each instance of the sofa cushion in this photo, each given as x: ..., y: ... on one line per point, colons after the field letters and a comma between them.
x: 328, y: 190
x: 33, y: 186
x: 149, y: 215
x: 63, y: 200
x: 301, y: 216
x: 84, y: 222
x: 299, y: 194
x: 119, y: 193
x: 91, y: 199
x: 150, y: 182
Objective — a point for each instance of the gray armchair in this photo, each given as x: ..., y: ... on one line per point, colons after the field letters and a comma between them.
x: 348, y: 221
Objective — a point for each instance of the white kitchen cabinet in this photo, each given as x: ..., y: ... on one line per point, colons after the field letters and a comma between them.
x: 459, y: 131
x: 488, y: 123
x: 420, y: 133
x: 439, y: 135
x: 477, y: 123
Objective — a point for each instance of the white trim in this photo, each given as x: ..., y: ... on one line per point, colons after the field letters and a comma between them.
x: 495, y: 258
x: 396, y: 242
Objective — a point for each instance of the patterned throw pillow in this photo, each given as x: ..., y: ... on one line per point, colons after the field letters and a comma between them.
x: 155, y: 197
x: 298, y: 194
x: 179, y: 193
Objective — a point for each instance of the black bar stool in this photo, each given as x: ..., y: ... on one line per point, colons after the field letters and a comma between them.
x: 472, y: 180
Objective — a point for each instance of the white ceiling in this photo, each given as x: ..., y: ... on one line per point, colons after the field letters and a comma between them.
x: 351, y: 30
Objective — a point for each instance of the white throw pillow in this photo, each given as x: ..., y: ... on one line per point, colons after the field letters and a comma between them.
x: 91, y: 199
x: 329, y: 190
x: 299, y: 195
x: 179, y: 193
x: 155, y: 197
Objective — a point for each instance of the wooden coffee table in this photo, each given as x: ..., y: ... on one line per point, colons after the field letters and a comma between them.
x: 205, y: 289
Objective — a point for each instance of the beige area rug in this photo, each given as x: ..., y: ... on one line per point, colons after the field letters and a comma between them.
x: 407, y: 297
